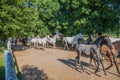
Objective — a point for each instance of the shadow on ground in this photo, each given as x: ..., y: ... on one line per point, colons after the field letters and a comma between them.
x: 32, y: 73
x: 19, y: 47
x: 71, y: 63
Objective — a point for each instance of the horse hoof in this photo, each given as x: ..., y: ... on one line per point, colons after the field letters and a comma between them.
x: 83, y: 70
x: 105, y: 74
x: 76, y: 68
x: 106, y: 68
x: 118, y: 72
x: 98, y: 70
x: 95, y: 72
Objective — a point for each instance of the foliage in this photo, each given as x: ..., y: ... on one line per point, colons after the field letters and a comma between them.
x: 42, y: 17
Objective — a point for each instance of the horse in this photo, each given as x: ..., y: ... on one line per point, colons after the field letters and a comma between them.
x: 24, y: 41
x: 33, y: 42
x: 114, y: 39
x: 59, y: 40
x: 67, y: 41
x: 71, y: 41
x: 93, y: 51
x: 117, y: 47
x: 42, y: 41
x: 53, y: 40
x: 111, y: 54
x: 88, y: 41
x: 39, y: 41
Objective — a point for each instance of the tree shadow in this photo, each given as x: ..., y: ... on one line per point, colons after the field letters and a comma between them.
x: 32, y: 73
x: 19, y: 47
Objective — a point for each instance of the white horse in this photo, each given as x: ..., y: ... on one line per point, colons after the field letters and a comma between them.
x: 33, y: 42
x: 53, y: 40
x: 114, y: 39
x: 44, y: 41
x: 71, y: 40
x: 67, y: 41
x: 40, y: 41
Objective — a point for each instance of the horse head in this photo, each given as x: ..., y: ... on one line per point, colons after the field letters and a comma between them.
x: 80, y: 41
x: 48, y: 37
x: 104, y: 40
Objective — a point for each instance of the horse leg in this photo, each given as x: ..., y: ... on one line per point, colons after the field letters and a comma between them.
x: 76, y: 60
x: 95, y: 62
x: 65, y: 45
x: 115, y: 61
x: 54, y: 45
x: 81, y: 66
x: 38, y: 45
x: 43, y: 45
x: 79, y: 62
x: 71, y: 47
x: 103, y: 67
x: 97, y: 66
x: 34, y: 44
x: 90, y: 60
x: 111, y: 61
x: 30, y: 45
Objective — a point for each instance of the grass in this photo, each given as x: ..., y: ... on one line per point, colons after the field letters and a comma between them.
x: 2, y: 68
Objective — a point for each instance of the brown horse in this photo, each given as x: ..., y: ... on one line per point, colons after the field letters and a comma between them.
x: 116, y: 45
x: 111, y: 53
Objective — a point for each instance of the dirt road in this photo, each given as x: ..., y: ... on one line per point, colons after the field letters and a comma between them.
x: 57, y: 64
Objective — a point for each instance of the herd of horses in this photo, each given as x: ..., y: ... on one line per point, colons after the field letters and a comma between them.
x: 45, y: 41
x: 103, y: 45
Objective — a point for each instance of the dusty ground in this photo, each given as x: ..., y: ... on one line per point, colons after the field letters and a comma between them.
x: 58, y: 64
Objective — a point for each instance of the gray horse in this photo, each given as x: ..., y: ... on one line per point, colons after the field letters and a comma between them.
x: 93, y: 51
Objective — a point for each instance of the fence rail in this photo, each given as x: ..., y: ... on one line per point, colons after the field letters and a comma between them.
x: 10, y: 73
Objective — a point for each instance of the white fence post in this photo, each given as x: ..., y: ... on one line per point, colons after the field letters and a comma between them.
x: 10, y: 72
x: 8, y: 45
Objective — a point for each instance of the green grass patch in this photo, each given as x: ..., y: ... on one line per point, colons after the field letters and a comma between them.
x: 2, y: 68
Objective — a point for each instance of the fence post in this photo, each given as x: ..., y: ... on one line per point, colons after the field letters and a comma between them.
x: 10, y: 73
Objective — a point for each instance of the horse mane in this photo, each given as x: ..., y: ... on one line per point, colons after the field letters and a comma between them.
x: 98, y: 39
